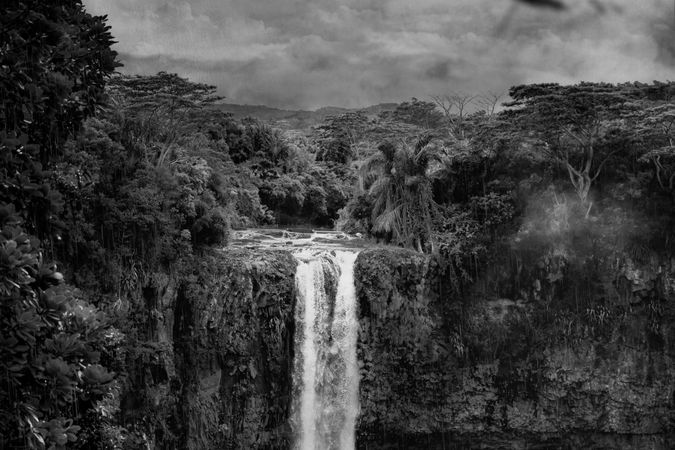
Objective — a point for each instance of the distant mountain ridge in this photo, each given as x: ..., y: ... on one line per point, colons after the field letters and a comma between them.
x: 297, y: 119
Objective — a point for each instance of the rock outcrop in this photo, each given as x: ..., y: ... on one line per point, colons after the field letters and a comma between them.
x: 225, y: 323
x: 444, y: 367
x: 505, y: 361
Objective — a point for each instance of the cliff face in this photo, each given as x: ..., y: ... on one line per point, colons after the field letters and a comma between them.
x: 233, y: 341
x: 223, y: 327
x: 503, y: 361
x: 459, y: 365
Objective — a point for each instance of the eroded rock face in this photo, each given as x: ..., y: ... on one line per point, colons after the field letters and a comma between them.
x: 233, y: 340
x: 476, y: 370
x: 504, y: 362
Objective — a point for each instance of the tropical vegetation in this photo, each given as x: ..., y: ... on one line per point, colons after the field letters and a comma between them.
x: 109, y: 182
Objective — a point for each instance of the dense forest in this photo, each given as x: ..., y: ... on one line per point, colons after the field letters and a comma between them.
x: 110, y: 181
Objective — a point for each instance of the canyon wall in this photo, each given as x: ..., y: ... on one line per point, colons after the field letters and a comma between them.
x: 503, y: 358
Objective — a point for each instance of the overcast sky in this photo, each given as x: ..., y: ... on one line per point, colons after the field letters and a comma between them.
x: 352, y: 53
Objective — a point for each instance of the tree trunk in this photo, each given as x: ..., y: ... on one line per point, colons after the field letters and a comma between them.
x: 581, y: 180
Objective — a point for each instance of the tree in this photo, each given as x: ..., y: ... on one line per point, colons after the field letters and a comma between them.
x: 338, y: 136
x: 54, y: 62
x: 455, y: 107
x: 335, y: 150
x: 656, y: 131
x: 416, y: 112
x: 268, y: 147
x: 403, y: 206
x: 489, y: 102
x: 155, y: 111
x: 382, y: 129
x: 470, y: 146
x: 51, y: 343
x: 574, y: 125
x: 284, y: 194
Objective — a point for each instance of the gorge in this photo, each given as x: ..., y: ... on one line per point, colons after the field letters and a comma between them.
x: 505, y: 382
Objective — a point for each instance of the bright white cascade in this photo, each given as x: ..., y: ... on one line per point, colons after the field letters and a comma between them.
x: 326, y: 375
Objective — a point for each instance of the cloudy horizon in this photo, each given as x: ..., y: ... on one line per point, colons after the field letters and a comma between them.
x: 297, y: 54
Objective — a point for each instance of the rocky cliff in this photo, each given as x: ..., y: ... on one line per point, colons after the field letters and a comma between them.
x: 515, y: 355
x: 475, y: 368
x: 223, y: 330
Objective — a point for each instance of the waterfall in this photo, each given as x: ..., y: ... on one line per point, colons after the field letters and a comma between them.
x: 326, y: 375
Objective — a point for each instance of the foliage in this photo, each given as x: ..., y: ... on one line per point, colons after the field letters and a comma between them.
x: 457, y: 167
x: 211, y: 227
x: 129, y: 190
x: 268, y: 147
x: 316, y: 194
x: 284, y: 193
x: 54, y: 62
x: 403, y: 206
x: 246, y: 341
x: 356, y: 216
x: 338, y: 136
x: 154, y: 112
x: 119, y: 199
x: 53, y: 344
x: 578, y: 126
x: 416, y: 112
x: 336, y: 150
x: 655, y: 126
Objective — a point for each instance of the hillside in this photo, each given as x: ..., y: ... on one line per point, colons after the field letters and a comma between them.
x: 296, y: 119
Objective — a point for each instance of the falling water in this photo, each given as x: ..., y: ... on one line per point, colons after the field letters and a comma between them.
x: 326, y: 378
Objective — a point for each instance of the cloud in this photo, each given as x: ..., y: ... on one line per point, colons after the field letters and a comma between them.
x: 307, y: 54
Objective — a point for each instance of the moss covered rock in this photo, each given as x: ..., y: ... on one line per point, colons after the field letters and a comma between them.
x: 441, y: 368
x: 233, y: 340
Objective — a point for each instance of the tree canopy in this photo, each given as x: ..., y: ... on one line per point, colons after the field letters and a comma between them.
x: 54, y: 63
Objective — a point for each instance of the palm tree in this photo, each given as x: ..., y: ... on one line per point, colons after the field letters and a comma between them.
x: 397, y: 181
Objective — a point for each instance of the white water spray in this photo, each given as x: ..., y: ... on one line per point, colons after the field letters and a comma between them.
x: 326, y: 376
